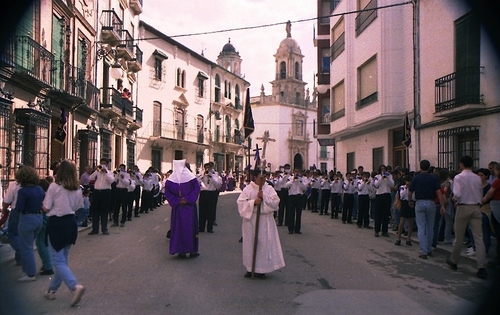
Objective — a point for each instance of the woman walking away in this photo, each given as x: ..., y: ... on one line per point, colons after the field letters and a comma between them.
x: 62, y: 200
x: 29, y: 205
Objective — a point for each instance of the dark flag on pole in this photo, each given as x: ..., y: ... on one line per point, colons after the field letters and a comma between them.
x: 248, y: 124
x: 407, y: 131
x: 60, y: 134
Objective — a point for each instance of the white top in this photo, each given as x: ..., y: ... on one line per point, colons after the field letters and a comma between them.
x: 336, y: 186
x: 349, y: 187
x: 11, y: 194
x: 363, y: 188
x: 102, y: 180
x: 467, y: 188
x: 61, y: 201
x: 383, y: 185
x: 295, y: 186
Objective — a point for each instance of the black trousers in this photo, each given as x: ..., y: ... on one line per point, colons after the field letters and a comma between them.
x: 146, y: 200
x: 207, y: 204
x: 314, y: 199
x: 294, y: 213
x: 363, y: 210
x: 101, y: 201
x: 130, y: 204
x: 137, y: 197
x: 325, y: 199
x: 347, y: 208
x: 335, y: 197
x: 382, y: 212
x: 122, y: 203
x: 283, y: 194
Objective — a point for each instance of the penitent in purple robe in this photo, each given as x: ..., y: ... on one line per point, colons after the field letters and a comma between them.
x: 184, y: 223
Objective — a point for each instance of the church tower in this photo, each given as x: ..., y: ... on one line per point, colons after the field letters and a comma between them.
x: 288, y: 86
x: 230, y: 59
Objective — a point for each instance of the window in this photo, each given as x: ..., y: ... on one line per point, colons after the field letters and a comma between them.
x: 338, y: 101
x: 377, y: 158
x: 365, y: 18
x: 457, y: 142
x: 201, y: 87
x: 237, y: 99
x: 350, y: 162
x: 158, y: 70
x: 367, y: 83
x: 326, y: 11
x: 178, y: 155
x: 297, y: 71
x: 323, y: 153
x: 32, y: 139
x: 225, y: 89
x: 298, y: 100
x: 178, y: 77
x: 130, y: 153
x: 227, y: 121
x: 217, y: 88
x: 283, y: 70
x: 199, y: 128
x: 157, y: 119
x: 325, y: 110
x: 338, y: 39
x: 299, y: 127
x: 156, y: 158
x: 106, y: 144
x: 179, y: 121
x: 325, y: 60
x: 229, y: 90
x: 5, y: 132
x: 183, y: 79
x: 88, y: 148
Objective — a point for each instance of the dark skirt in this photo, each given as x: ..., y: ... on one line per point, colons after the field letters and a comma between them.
x: 406, y: 210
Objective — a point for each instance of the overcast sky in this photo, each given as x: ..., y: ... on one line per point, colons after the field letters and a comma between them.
x: 256, y: 46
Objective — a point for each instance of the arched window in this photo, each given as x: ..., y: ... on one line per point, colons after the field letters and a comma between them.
x: 183, y: 79
x: 297, y: 71
x: 283, y: 70
x: 237, y: 96
x: 229, y: 90
x: 225, y: 88
x: 217, y: 88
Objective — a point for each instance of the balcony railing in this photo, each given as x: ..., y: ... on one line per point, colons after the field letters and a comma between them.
x: 113, y: 103
x: 323, y: 155
x: 175, y: 132
x: 364, y: 18
x: 69, y: 79
x: 8, y: 53
x: 135, y: 64
x: 33, y: 59
x: 458, y: 89
x: 337, y: 47
x: 127, y: 51
x: 111, y: 26
x: 92, y: 96
x: 138, y: 115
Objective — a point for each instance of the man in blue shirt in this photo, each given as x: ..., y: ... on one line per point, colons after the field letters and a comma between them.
x: 425, y: 186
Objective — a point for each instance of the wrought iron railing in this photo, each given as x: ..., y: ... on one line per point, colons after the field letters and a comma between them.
x: 34, y: 59
x: 138, y: 115
x: 128, y: 41
x: 138, y: 54
x: 458, y: 89
x: 175, y: 131
x: 364, y: 18
x: 111, y: 22
x: 337, y: 47
x: 8, y: 52
x: 92, y: 96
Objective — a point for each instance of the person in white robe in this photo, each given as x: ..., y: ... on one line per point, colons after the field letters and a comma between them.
x: 269, y: 255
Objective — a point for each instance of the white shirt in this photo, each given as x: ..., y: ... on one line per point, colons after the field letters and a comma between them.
x: 295, y: 186
x: 325, y: 184
x: 336, y: 186
x: 349, y: 187
x: 315, y: 183
x: 102, y: 180
x: 61, y: 201
x: 123, y: 182
x: 363, y: 188
x: 210, y: 182
x: 11, y: 194
x: 147, y: 183
x: 383, y: 185
x: 467, y: 188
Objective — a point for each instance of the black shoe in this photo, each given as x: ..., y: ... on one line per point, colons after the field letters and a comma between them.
x: 452, y: 265
x: 398, y: 242
x: 386, y: 234
x: 240, y: 240
x: 105, y: 232
x: 47, y: 272
x: 369, y: 227
x: 299, y: 232
x: 422, y: 256
x: 482, y: 273
x: 359, y: 226
x: 201, y: 230
x: 326, y: 213
x: 376, y: 234
x: 260, y: 275
x: 409, y: 243
x: 321, y: 213
x: 280, y: 224
x: 290, y: 232
x: 248, y: 274
x: 193, y: 255
x: 210, y: 231
x: 137, y: 216
x: 130, y: 219
x: 344, y: 222
x: 93, y: 233
x: 182, y: 256
x: 215, y: 224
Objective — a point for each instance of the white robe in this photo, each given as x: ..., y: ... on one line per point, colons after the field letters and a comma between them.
x: 269, y: 253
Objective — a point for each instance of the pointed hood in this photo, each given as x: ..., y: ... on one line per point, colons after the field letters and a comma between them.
x: 180, y: 173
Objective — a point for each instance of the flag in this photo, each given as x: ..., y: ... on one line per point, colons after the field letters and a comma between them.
x: 407, y: 131
x: 60, y: 134
x: 248, y: 124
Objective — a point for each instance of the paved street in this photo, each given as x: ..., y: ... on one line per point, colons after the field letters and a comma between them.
x: 332, y: 268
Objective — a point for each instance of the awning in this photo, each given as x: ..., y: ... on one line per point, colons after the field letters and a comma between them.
x: 160, y: 54
x: 202, y: 75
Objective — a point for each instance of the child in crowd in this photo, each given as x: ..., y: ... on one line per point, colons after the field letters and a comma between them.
x: 83, y: 213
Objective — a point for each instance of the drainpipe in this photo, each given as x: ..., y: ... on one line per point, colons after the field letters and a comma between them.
x: 416, y: 78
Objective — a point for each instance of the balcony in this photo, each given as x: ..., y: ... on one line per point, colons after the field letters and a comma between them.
x: 459, y: 93
x: 112, y: 103
x: 137, y: 121
x: 32, y: 63
x: 92, y: 96
x: 7, y: 55
x: 111, y: 28
x: 68, y: 82
x: 174, y: 131
x: 135, y: 64
x: 126, y: 49
x: 324, y: 155
x: 136, y: 6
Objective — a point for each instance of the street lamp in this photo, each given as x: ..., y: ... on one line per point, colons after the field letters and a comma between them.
x: 116, y: 71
